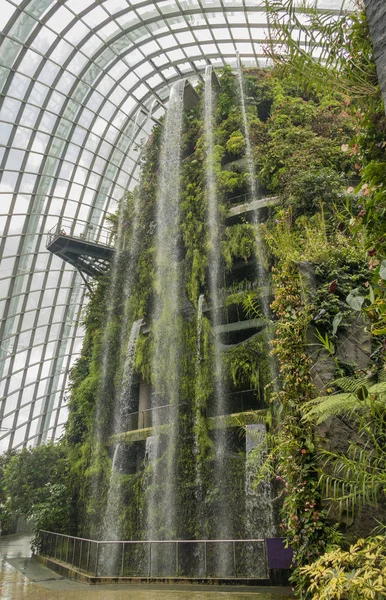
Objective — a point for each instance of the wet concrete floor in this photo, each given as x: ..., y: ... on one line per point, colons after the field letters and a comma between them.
x: 23, y: 579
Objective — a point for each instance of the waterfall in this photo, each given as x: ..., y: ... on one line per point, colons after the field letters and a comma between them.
x: 259, y: 511
x: 199, y: 332
x: 166, y: 320
x: 111, y: 527
x: 254, y: 188
x: 114, y: 299
x: 223, y: 525
x: 109, y: 554
x: 127, y: 403
x: 262, y: 275
x: 130, y: 270
x: 259, y: 520
x: 198, y: 410
x: 105, y: 400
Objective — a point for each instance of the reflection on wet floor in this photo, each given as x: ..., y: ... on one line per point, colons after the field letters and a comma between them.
x: 23, y: 579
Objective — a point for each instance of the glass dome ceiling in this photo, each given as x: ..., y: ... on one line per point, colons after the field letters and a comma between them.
x: 81, y: 86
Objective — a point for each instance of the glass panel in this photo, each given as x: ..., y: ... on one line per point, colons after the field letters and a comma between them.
x: 19, y: 86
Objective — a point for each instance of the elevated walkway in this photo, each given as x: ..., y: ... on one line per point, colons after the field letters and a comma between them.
x: 88, y: 249
x: 220, y: 422
x: 251, y: 205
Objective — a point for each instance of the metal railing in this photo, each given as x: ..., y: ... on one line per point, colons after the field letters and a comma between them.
x: 192, y: 559
x: 248, y: 197
x: 80, y: 230
x: 163, y: 415
x: 150, y: 417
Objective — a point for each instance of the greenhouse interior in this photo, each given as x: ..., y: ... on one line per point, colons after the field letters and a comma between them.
x: 193, y: 317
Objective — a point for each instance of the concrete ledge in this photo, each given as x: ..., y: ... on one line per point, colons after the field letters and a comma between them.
x: 138, y: 435
x: 66, y: 570
x: 240, y: 326
x: 237, y: 419
x: 220, y: 422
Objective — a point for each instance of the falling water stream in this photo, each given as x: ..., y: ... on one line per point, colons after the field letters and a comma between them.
x: 127, y: 402
x: 198, y: 415
x: 259, y: 514
x: 111, y: 528
x: 199, y: 332
x: 262, y: 275
x: 259, y: 510
x: 161, y: 518
x: 254, y: 188
x: 223, y: 526
x: 114, y: 298
x: 131, y: 261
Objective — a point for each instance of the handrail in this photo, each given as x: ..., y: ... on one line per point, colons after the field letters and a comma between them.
x: 140, y: 558
x: 80, y: 230
x: 206, y: 541
x: 143, y: 418
x: 247, y: 196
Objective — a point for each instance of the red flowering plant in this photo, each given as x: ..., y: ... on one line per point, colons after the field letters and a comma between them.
x: 304, y: 523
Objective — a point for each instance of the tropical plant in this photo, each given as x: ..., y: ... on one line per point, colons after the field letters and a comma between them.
x: 36, y: 484
x: 356, y: 574
x: 357, y: 476
x: 322, y: 49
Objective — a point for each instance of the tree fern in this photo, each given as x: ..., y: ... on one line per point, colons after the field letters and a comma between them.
x: 358, y: 476
x: 354, y: 479
x: 314, y: 47
x: 320, y: 409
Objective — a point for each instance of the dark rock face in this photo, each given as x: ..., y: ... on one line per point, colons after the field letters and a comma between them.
x: 376, y: 15
x: 353, y: 346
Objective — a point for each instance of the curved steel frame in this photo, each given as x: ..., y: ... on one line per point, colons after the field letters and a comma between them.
x: 82, y: 83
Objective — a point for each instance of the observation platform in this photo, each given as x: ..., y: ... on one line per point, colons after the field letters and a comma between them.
x: 90, y: 251
x: 220, y: 422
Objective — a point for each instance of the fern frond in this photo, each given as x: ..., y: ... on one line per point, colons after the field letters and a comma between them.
x: 319, y: 409
x: 353, y: 479
x: 310, y: 45
x: 251, y: 306
x: 350, y: 384
x: 378, y: 388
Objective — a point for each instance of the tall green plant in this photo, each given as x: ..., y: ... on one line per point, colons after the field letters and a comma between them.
x: 357, y: 476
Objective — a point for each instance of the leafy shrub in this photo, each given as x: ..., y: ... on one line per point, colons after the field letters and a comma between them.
x: 236, y: 144
x: 310, y: 188
x: 36, y: 483
x: 356, y: 574
x: 240, y: 243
